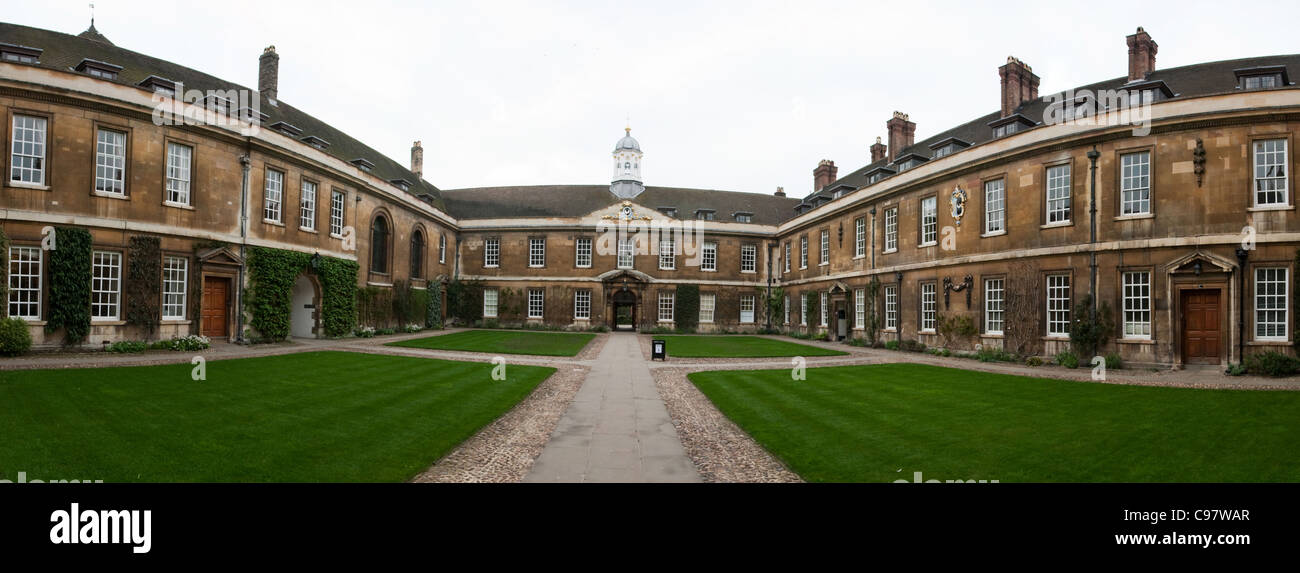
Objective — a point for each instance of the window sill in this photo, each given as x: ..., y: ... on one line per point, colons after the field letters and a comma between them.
x: 492, y: 317
x: 107, y: 195
x: 667, y: 268
x: 888, y: 251
x: 270, y: 222
x: 1137, y: 217
x: 994, y: 234
x: 491, y: 266
x: 307, y: 230
x: 173, y: 322
x: 335, y: 236
x: 1269, y: 343
x: 1057, y: 224
x: 33, y: 322
x: 927, y: 245
x: 1271, y: 208
x: 925, y: 331
x: 1141, y: 341
x: 703, y: 270
x: 890, y: 330
x: 31, y: 186
x: 108, y: 323
x: 992, y: 335
x: 536, y: 266
x: 859, y: 257
x: 1057, y: 338
x: 744, y: 272
x: 377, y: 284
x: 582, y: 267
x: 176, y: 205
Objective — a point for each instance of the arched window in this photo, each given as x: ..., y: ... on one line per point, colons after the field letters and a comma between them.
x: 379, y: 245
x: 417, y: 254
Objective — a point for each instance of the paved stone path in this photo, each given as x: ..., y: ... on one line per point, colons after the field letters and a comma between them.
x: 617, y: 428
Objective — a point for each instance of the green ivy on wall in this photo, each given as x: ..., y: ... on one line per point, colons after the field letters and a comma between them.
x: 4, y: 274
x: 69, y: 274
x: 433, y: 312
x: 465, y: 301
x: 811, y: 319
x: 688, y: 307
x: 272, y: 273
x: 143, y: 282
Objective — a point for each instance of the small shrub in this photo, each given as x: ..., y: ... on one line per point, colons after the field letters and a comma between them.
x: 1114, y: 362
x: 365, y: 332
x: 1237, y: 369
x: 385, y: 331
x: 15, y: 339
x: 127, y: 347
x: 1272, y: 363
x: 891, y: 345
x: 912, y: 346
x: 857, y: 342
x: 1033, y: 361
x: 184, y: 343
x: 995, y: 355
x: 1068, y: 359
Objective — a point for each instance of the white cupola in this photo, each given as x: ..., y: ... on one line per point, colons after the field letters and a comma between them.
x: 626, y: 183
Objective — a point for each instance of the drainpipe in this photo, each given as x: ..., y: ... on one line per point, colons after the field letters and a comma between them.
x: 1092, y: 230
x: 245, y: 162
x: 873, y: 236
x: 1242, y: 255
x: 767, y: 300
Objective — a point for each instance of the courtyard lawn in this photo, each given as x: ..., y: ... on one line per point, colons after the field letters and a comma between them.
x: 882, y: 423
x: 711, y: 346
x: 505, y: 342
x: 313, y: 417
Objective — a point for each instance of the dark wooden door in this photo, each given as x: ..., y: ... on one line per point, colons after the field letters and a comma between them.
x: 216, y: 303
x: 1201, y: 326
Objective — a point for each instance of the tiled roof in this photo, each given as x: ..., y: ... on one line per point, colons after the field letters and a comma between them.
x: 64, y: 51
x: 579, y: 200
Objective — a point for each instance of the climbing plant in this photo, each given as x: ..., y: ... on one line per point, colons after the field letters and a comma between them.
x: 773, y: 299
x: 143, y: 283
x: 687, y: 313
x: 4, y: 274
x: 1295, y: 300
x: 465, y: 301
x: 1022, y: 324
x: 433, y: 312
x: 1088, y: 336
x: 812, y: 318
x: 69, y: 275
x: 272, y: 273
x: 871, y: 318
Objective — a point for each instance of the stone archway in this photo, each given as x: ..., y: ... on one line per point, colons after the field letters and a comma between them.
x: 623, y: 288
x: 624, y: 305
x: 304, y: 312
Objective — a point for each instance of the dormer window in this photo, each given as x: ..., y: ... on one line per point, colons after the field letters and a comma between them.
x: 251, y: 115
x: 668, y: 211
x: 96, y: 68
x: 286, y: 128
x: 20, y: 54
x: 948, y: 147
x: 159, y: 85
x: 908, y: 161
x: 1144, y: 93
x: 879, y: 173
x: 217, y: 103
x: 403, y: 184
x: 363, y: 164
x: 704, y: 214
x: 743, y: 217
x: 1013, y: 123
x: 316, y: 142
x: 1262, y: 77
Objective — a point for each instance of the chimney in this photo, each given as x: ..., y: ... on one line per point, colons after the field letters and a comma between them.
x: 1019, y: 85
x: 1141, y: 55
x: 824, y: 174
x: 902, y: 133
x: 780, y: 192
x: 268, y: 73
x: 417, y: 159
x: 878, y: 151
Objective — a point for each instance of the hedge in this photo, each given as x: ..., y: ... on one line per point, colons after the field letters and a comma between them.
x: 69, y: 274
x: 688, y: 307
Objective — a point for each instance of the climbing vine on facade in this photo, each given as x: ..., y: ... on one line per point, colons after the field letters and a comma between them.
x: 69, y: 275
x: 272, y: 273
x: 143, y: 283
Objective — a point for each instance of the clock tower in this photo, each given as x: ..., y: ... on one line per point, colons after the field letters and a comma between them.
x: 627, y: 183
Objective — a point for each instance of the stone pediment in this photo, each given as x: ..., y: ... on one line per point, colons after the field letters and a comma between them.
x: 220, y: 256
x: 629, y: 274
x: 1210, y: 263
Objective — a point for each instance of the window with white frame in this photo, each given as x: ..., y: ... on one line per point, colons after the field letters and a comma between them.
x: 442, y: 248
x: 1058, y: 305
x: 492, y: 252
x: 785, y: 309
x: 929, y: 316
x: 307, y: 206
x: 179, y: 160
x: 175, y: 278
x: 891, y: 308
x: 787, y: 256
x: 823, y: 309
x: 110, y: 162
x: 582, y: 259
x: 803, y: 309
x: 929, y: 221
x: 1137, y: 304
x: 994, y: 301
x: 536, y: 298
x: 707, y: 304
x: 709, y: 256
x: 667, y: 253
x: 803, y: 252
x: 489, y: 303
x: 825, y: 248
x: 1058, y: 194
x: 747, y: 308
x: 536, y: 252
x: 666, y: 307
x: 1270, y: 303
x: 27, y: 152
x: 336, y: 213
x: 582, y: 304
x: 891, y: 230
x: 626, y: 252
x: 1135, y: 183
x: 860, y: 237
x: 105, y: 285
x: 274, y: 196
x: 995, y: 206
x: 859, y: 307
x: 748, y: 258
x: 25, y: 282
x: 1270, y: 172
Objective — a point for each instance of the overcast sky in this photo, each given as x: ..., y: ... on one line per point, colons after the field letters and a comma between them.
x: 744, y: 96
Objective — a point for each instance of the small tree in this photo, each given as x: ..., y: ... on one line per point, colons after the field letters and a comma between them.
x: 688, y: 307
x: 1088, y: 336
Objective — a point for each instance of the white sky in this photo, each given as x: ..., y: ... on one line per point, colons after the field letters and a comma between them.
x: 744, y: 95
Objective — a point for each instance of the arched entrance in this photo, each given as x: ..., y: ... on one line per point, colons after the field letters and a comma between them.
x: 623, y: 288
x: 304, y: 312
x: 624, y: 317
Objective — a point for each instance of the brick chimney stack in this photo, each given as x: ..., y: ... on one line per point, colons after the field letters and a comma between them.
x: 417, y: 159
x: 268, y: 73
x: 878, y: 151
x: 1019, y: 85
x: 1141, y: 55
x: 780, y: 192
x: 824, y: 174
x: 902, y: 134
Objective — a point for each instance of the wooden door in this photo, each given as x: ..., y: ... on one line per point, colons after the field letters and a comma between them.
x: 1201, y: 322
x: 216, y: 303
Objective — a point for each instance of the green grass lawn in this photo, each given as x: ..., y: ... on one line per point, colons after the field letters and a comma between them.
x: 505, y: 342
x: 865, y: 423
x: 314, y: 417
x: 711, y: 346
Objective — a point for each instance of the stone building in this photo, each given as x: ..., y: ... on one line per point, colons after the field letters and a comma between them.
x: 1160, y: 198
